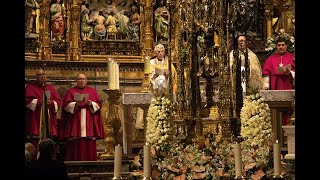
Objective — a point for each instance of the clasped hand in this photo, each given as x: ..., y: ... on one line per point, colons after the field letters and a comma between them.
x: 82, y: 103
x: 49, y: 102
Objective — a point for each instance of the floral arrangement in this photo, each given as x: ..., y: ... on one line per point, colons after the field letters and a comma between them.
x: 256, y: 130
x: 214, y: 159
x: 179, y: 161
x: 158, y: 124
x: 271, y: 41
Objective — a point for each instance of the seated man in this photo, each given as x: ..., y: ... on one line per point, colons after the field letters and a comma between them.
x: 159, y: 71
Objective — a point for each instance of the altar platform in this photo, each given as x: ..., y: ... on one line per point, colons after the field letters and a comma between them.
x: 278, y: 102
x: 95, y: 170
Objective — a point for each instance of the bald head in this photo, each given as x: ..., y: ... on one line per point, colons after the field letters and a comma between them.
x: 41, y: 76
x: 81, y: 80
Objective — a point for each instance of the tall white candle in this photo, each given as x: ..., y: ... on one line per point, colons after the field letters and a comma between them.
x: 147, y: 64
x: 146, y: 161
x: 238, y: 159
x: 117, y: 75
x: 111, y: 75
x: 117, y: 161
x: 277, y: 159
x: 114, y: 72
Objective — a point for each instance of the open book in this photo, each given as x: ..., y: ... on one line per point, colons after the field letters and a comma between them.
x: 161, y: 71
x: 81, y: 97
x: 283, y: 68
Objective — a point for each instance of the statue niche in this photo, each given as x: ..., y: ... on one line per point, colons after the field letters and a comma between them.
x: 161, y: 23
x: 32, y: 19
x: 58, y: 20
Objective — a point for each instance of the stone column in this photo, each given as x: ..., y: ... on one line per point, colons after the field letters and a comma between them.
x: 148, y: 45
x: 148, y: 28
x: 127, y: 128
x: 68, y: 29
x: 289, y: 131
x: 75, y: 31
x: 44, y: 52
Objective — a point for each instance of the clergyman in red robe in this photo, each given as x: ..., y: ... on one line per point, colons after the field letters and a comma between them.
x: 81, y: 122
x: 33, y: 105
x: 279, y: 68
x: 279, y: 71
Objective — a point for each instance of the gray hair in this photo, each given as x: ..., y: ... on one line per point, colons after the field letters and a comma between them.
x: 158, y: 47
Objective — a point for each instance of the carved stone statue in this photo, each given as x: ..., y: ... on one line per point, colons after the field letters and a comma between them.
x: 123, y: 22
x: 162, y: 22
x: 134, y: 25
x: 32, y: 9
x: 285, y: 19
x: 100, y: 28
x: 57, y: 11
x: 86, y: 23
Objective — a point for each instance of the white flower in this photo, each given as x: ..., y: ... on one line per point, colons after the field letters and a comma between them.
x: 256, y: 129
x: 157, y: 121
x: 271, y: 42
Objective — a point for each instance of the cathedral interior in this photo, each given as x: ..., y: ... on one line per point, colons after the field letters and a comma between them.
x: 66, y: 37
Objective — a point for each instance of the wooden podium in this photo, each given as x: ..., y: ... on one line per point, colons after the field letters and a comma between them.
x: 279, y: 101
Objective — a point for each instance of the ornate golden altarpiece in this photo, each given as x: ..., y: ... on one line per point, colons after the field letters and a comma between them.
x: 201, y: 35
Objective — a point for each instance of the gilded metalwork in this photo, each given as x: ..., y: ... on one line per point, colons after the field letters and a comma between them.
x: 58, y: 47
x: 31, y: 45
x: 44, y: 35
x: 214, y: 112
x: 201, y: 33
x: 112, y: 124
x: 126, y: 48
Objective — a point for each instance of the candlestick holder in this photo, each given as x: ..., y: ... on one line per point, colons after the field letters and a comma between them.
x: 146, y: 85
x: 116, y: 178
x: 147, y: 178
x: 111, y: 124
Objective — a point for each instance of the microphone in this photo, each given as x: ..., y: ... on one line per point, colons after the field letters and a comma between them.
x: 44, y: 86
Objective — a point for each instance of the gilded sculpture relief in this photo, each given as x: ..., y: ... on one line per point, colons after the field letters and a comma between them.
x: 110, y: 20
x: 58, y: 20
x: 32, y: 19
x: 161, y: 22
x: 284, y: 16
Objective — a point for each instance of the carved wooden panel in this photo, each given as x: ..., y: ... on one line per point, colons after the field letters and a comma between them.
x: 31, y: 45
x: 129, y: 48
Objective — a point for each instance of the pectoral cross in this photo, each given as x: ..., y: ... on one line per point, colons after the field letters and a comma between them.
x: 280, y: 65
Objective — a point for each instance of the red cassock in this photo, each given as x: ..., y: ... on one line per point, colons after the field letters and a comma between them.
x: 279, y: 80
x: 33, y: 104
x: 81, y: 127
